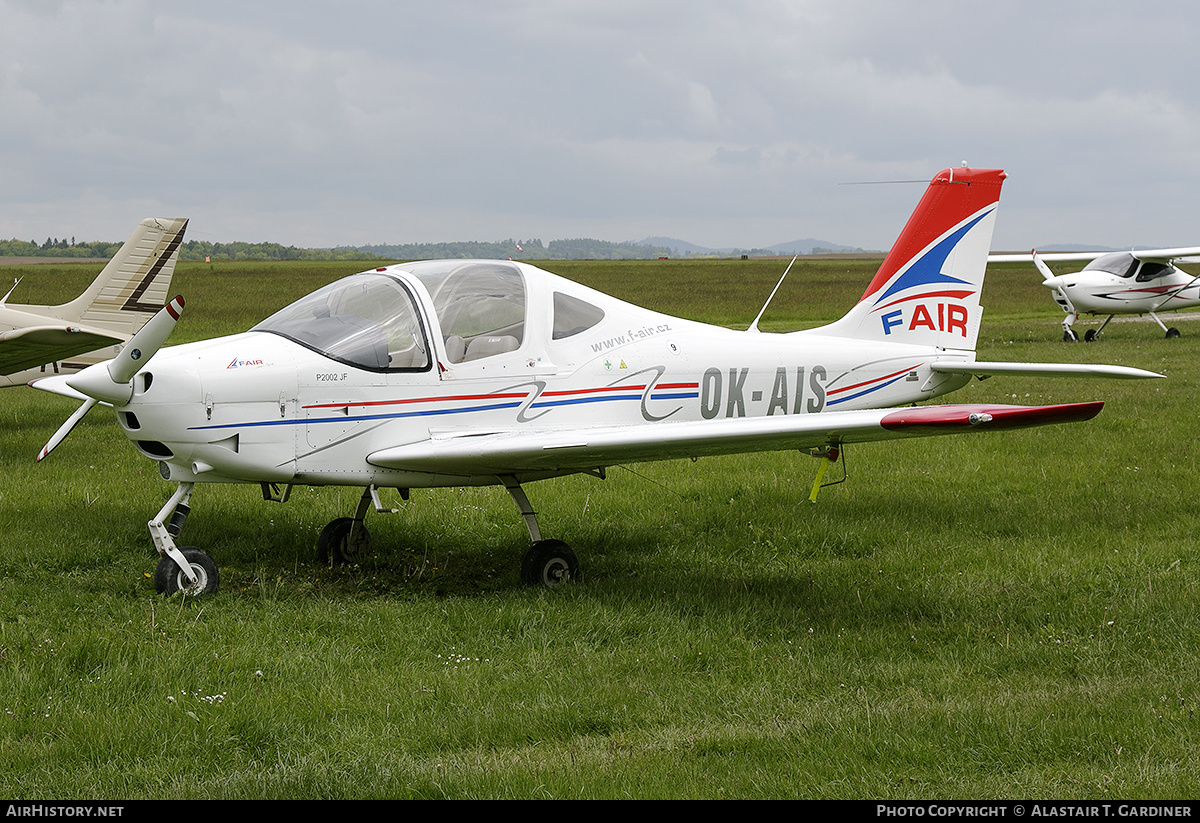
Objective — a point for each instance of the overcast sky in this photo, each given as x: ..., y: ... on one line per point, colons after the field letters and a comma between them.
x: 719, y: 123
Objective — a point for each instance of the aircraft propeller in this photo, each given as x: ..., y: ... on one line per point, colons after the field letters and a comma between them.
x: 110, y: 381
x: 1055, y: 284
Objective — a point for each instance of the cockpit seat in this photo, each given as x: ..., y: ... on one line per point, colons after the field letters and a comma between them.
x: 456, y: 348
x: 487, y: 346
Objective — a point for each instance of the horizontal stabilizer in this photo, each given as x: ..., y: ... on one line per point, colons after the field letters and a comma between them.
x: 982, y: 369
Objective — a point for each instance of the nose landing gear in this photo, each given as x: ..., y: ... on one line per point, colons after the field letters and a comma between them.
x: 188, y: 570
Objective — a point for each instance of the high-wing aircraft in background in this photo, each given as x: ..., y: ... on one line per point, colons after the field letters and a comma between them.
x: 471, y: 373
x: 40, y: 340
x: 1124, y: 282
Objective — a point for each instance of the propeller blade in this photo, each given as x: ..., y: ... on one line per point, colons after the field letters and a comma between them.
x: 1054, y: 283
x: 109, y: 381
x: 148, y: 340
x: 66, y: 427
x: 1042, y: 267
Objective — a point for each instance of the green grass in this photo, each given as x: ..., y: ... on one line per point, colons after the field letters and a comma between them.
x: 1004, y: 616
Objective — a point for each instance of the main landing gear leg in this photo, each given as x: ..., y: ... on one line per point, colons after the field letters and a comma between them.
x: 1171, y: 332
x: 1093, y: 334
x: 548, y: 563
x: 188, y: 569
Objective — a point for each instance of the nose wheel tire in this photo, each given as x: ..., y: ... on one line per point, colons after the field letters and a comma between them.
x: 549, y: 563
x: 169, y: 578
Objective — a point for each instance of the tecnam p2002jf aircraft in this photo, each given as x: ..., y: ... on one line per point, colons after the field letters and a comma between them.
x: 464, y: 373
x: 132, y: 287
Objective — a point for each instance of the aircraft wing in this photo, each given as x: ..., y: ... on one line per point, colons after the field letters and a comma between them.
x: 1157, y: 255
x: 35, y: 346
x: 520, y: 451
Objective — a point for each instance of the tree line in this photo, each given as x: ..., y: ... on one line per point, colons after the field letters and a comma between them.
x: 572, y: 249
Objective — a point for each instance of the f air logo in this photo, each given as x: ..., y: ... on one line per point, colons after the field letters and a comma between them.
x: 947, y: 317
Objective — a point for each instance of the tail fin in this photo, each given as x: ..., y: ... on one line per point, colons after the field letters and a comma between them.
x: 927, y: 290
x: 135, y: 284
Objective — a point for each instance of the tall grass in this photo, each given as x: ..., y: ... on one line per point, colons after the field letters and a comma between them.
x: 1003, y: 616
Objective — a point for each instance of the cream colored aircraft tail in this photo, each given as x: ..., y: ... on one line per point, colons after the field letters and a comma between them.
x: 136, y: 282
x: 37, y: 341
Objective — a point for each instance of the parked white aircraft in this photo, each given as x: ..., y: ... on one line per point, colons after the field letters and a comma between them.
x: 468, y: 373
x: 39, y: 340
x: 1127, y: 282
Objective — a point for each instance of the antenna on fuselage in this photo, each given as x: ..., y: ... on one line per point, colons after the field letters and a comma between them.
x: 754, y: 325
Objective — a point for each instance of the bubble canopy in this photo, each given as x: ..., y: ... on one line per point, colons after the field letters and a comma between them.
x: 368, y: 320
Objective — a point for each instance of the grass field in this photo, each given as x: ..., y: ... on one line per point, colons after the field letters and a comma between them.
x: 1005, y: 616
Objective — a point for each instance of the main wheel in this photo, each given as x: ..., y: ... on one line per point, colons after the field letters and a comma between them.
x: 1090, y: 336
x: 549, y: 563
x: 1172, y: 333
x: 169, y: 578
x: 335, y: 545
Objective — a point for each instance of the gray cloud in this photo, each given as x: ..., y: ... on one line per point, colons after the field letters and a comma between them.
x: 719, y: 123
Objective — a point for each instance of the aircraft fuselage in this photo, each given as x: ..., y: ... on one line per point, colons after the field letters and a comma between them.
x: 260, y: 407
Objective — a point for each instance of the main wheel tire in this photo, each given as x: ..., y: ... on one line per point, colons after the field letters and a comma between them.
x: 169, y: 578
x: 1090, y: 336
x: 549, y: 563
x: 335, y: 547
x: 1172, y: 333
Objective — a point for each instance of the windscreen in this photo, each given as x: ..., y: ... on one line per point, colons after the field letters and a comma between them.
x: 366, y: 320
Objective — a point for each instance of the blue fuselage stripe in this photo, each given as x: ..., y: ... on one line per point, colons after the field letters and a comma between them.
x: 864, y: 392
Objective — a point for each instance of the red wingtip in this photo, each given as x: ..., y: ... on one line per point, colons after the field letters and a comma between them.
x: 986, y: 417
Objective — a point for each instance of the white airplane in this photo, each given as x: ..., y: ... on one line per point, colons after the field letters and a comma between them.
x: 40, y: 340
x: 474, y: 373
x: 1127, y: 282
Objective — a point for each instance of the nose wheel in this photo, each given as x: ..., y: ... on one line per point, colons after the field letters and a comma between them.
x: 170, y: 578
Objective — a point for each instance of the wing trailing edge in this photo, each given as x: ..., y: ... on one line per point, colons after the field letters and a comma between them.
x: 521, y: 451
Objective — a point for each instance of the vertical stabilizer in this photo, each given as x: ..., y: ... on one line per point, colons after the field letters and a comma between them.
x: 136, y: 282
x: 927, y: 290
